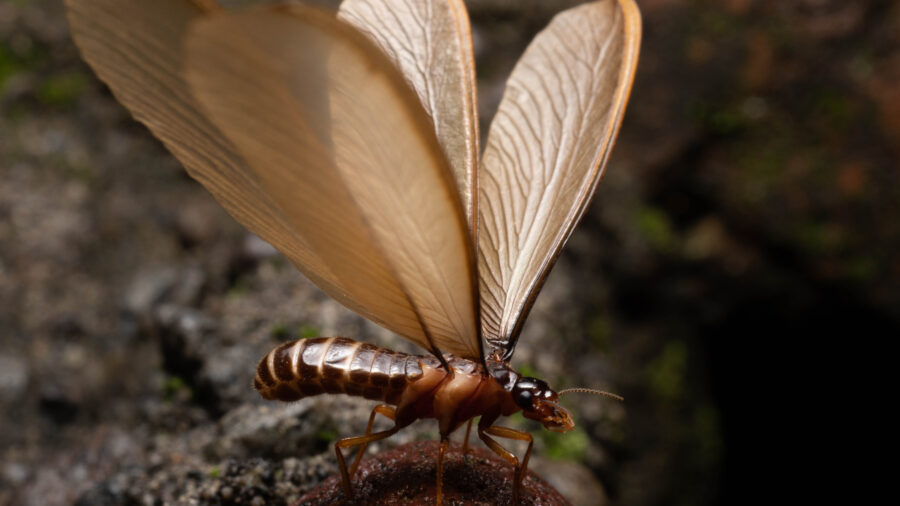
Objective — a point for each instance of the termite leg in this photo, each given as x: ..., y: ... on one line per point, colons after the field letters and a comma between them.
x: 350, y: 442
x: 445, y: 443
x: 485, y: 431
x: 466, y: 440
x: 387, y: 411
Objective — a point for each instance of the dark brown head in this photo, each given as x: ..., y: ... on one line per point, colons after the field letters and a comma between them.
x: 539, y: 402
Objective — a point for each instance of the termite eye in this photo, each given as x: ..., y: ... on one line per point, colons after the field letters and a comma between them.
x: 525, y: 399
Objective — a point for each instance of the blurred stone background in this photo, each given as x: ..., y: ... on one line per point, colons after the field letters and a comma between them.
x: 748, y: 219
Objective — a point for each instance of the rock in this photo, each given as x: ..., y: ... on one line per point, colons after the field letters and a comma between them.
x: 407, y: 475
x: 13, y: 376
x: 276, y: 430
x: 148, y: 287
x: 257, y: 249
x: 181, y: 331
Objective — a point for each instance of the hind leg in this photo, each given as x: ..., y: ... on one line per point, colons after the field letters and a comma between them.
x: 362, y: 442
x: 466, y: 440
x: 387, y: 412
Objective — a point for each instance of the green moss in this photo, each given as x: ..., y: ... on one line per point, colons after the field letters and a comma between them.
x: 516, y: 419
x: 655, y: 227
x: 9, y: 65
x: 84, y: 173
x: 572, y: 445
x: 527, y: 370
x: 174, y: 386
x: 214, y: 472
x: 280, y: 331
x: 239, y: 288
x: 666, y: 373
x: 174, y: 383
x: 62, y: 90
x: 29, y: 56
x: 326, y: 435
x: 308, y: 331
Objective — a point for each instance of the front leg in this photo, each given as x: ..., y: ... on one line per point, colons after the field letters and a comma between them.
x: 486, y: 430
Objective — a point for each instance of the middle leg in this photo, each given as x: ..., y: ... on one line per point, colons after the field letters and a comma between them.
x: 445, y: 443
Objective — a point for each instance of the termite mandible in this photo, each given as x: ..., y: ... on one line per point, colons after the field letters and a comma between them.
x: 349, y: 141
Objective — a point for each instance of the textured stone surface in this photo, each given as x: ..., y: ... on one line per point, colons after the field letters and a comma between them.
x: 407, y: 475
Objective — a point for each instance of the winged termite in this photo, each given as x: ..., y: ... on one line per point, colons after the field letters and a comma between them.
x: 349, y: 141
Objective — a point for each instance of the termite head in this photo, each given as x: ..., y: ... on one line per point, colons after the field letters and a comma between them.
x: 539, y: 402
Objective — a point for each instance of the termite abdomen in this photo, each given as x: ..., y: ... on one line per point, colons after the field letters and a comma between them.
x: 335, y: 365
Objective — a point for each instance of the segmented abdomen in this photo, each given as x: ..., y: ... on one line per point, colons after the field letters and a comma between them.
x: 335, y: 365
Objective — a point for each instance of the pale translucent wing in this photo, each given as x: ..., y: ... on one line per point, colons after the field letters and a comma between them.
x: 339, y: 142
x: 546, y: 151
x: 430, y: 41
x: 135, y: 46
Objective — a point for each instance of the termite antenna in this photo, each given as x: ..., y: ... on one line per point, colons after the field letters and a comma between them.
x: 590, y: 391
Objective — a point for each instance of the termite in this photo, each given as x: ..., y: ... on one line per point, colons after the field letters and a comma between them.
x: 349, y: 140
x: 412, y: 387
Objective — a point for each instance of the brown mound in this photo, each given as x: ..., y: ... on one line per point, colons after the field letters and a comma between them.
x: 406, y: 475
